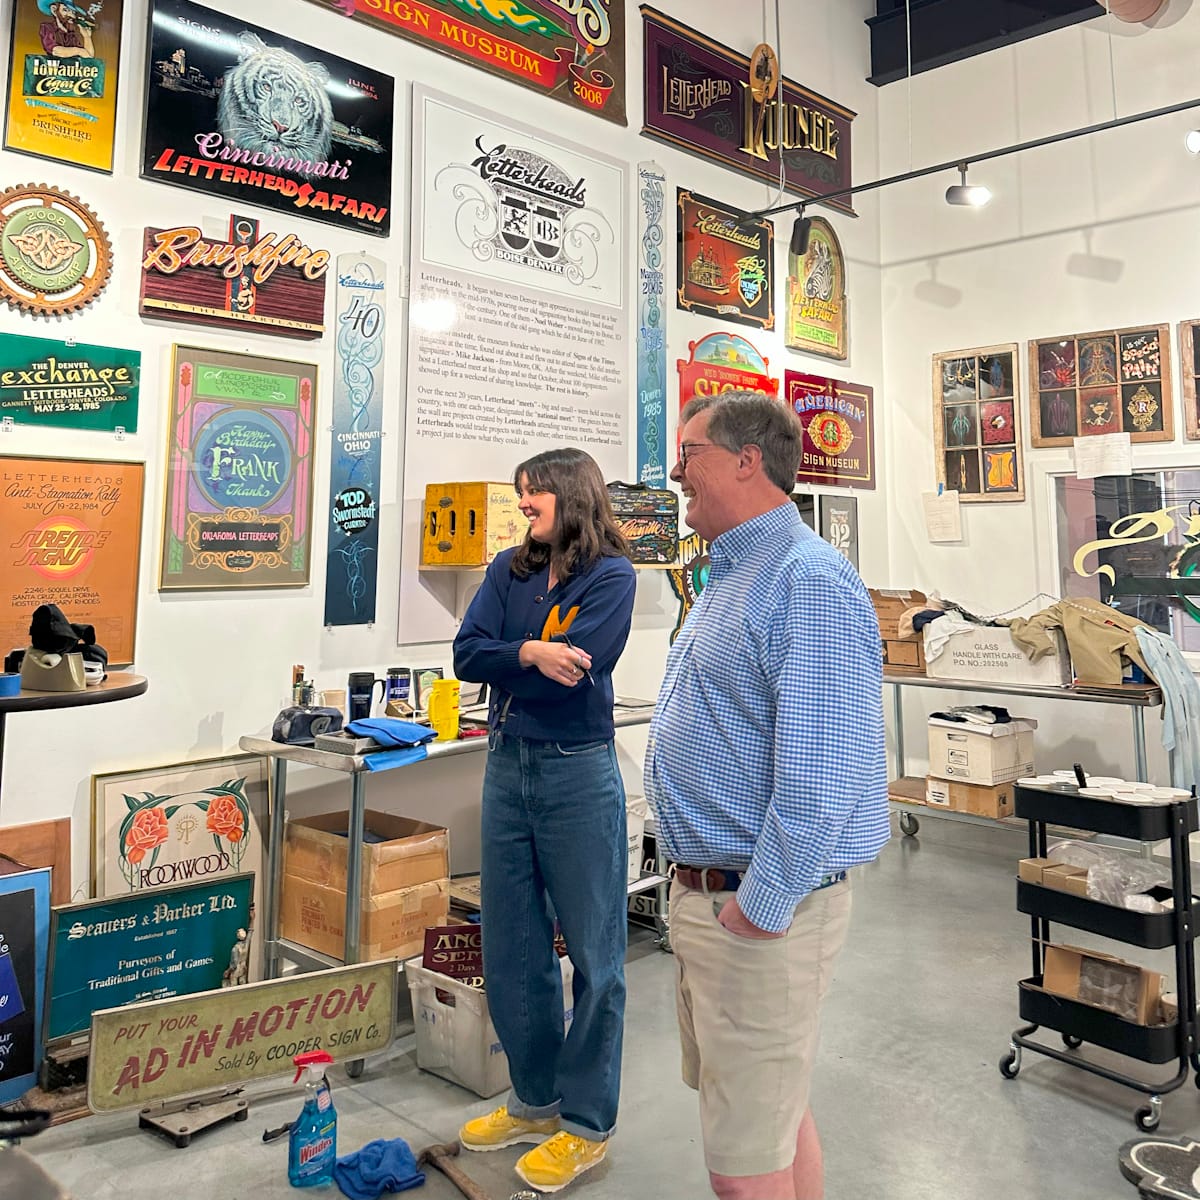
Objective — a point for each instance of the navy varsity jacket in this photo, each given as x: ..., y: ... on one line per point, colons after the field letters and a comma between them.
x: 593, y: 608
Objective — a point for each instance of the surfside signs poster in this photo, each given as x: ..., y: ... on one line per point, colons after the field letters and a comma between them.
x: 247, y: 114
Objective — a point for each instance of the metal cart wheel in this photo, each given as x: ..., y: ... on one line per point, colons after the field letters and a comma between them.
x: 1147, y: 1116
x: 1071, y: 1041
x: 354, y: 1068
x: 909, y: 825
x: 1010, y: 1064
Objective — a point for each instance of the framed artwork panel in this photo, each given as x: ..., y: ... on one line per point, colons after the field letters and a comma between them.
x: 1111, y: 381
x: 977, y: 423
x: 175, y: 824
x: 63, y: 62
x: 839, y: 525
x: 73, y: 527
x: 24, y: 950
x: 1189, y: 373
x: 238, y: 508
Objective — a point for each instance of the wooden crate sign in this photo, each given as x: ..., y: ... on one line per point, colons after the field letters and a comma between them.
x: 270, y: 282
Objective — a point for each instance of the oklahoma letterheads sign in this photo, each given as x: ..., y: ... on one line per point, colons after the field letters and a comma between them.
x: 699, y: 98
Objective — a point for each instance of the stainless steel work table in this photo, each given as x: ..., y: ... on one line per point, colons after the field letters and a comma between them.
x: 625, y: 714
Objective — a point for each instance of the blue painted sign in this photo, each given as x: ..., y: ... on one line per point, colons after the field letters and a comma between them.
x: 353, y: 557
x: 652, y: 330
x: 24, y: 933
x: 142, y: 946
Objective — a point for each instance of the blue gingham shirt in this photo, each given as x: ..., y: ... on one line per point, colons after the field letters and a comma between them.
x: 766, y: 750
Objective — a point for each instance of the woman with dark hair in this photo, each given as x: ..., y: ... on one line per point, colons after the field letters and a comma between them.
x: 544, y: 631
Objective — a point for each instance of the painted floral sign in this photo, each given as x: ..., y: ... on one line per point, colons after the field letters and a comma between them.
x: 222, y: 811
x: 178, y: 824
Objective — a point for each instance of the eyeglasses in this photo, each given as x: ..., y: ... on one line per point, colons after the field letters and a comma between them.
x: 687, y: 449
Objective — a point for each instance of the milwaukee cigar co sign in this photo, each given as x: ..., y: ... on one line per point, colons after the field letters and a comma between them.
x: 271, y: 282
x: 161, y: 1049
x: 698, y: 97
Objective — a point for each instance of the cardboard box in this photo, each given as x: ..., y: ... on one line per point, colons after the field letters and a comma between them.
x: 468, y: 524
x: 995, y: 802
x: 414, y: 852
x: 1048, y: 873
x: 456, y: 1039
x: 1084, y: 976
x: 988, y: 654
x: 901, y: 656
x: 1064, y: 878
x: 649, y: 519
x: 393, y: 923
x: 1030, y: 870
x: 637, y: 809
x: 981, y: 754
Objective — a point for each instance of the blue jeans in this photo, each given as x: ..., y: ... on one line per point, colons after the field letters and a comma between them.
x: 554, y: 844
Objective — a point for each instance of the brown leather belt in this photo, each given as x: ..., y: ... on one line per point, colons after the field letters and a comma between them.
x: 719, y: 879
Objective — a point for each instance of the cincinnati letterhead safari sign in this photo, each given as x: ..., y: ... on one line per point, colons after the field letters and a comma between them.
x: 250, y: 115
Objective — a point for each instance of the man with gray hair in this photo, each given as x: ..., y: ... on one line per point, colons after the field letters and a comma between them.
x: 765, y: 768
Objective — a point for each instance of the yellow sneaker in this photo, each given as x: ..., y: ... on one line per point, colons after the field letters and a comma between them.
x: 555, y: 1163
x: 499, y: 1129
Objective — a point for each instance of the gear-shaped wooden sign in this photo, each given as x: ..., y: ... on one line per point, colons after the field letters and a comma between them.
x: 55, y: 256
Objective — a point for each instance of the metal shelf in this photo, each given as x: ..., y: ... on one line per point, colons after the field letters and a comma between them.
x: 626, y: 712
x: 1134, y: 695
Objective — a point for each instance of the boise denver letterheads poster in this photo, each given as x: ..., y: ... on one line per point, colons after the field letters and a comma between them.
x: 257, y: 117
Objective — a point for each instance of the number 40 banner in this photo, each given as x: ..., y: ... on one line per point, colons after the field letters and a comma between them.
x: 353, y: 556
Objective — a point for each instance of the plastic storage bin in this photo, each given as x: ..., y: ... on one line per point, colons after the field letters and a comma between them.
x: 456, y: 1039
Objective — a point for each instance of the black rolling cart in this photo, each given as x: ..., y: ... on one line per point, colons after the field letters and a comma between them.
x: 1079, y: 1023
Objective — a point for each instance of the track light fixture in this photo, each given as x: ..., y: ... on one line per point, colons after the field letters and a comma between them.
x: 801, y: 228
x: 971, y: 195
x: 1192, y: 141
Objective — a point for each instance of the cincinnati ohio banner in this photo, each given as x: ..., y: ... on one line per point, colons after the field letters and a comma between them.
x: 353, y: 559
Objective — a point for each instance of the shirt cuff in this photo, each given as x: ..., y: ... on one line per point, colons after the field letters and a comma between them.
x: 765, y: 906
x: 508, y: 659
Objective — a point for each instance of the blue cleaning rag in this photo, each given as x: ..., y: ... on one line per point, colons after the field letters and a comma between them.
x: 385, y: 760
x: 388, y: 731
x: 380, y: 1166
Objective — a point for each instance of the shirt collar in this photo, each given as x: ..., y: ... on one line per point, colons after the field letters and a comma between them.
x: 739, y: 541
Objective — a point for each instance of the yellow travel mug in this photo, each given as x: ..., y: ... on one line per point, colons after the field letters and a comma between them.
x: 443, y: 708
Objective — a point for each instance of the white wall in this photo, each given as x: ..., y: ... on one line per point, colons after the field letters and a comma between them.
x: 1015, y: 271
x: 219, y: 664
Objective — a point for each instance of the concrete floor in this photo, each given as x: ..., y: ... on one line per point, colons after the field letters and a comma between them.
x: 907, y: 1094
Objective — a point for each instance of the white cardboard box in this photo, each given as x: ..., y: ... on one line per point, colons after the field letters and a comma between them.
x: 637, y: 809
x: 982, y: 754
x: 989, y: 654
x: 456, y: 1039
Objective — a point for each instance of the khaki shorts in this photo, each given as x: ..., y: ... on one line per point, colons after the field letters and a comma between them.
x: 748, y: 1021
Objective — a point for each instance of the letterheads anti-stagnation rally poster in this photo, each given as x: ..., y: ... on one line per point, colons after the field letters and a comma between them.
x: 257, y: 117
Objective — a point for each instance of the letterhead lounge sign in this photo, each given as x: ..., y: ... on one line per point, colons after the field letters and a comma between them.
x: 699, y: 98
